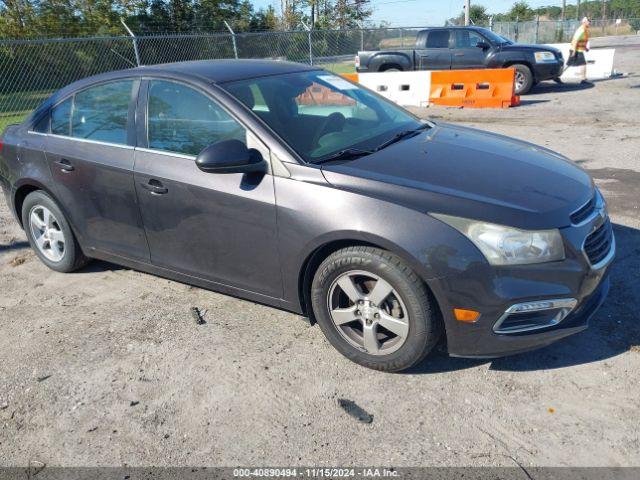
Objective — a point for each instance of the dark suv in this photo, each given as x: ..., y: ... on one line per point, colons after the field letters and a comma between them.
x: 468, y: 48
x: 287, y: 185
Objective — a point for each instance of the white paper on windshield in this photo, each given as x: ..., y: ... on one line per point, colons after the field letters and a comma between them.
x: 337, y: 82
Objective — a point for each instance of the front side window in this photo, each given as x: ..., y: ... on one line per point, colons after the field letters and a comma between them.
x: 100, y: 113
x: 494, y: 37
x: 438, y: 39
x: 183, y: 120
x: 467, y: 39
x: 61, y: 118
x: 319, y: 114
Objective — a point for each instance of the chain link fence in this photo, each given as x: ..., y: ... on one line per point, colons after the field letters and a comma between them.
x: 33, y: 69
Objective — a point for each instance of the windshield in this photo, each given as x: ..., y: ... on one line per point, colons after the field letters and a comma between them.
x: 494, y: 37
x: 320, y: 114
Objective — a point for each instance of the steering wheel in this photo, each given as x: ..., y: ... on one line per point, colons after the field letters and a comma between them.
x: 333, y: 123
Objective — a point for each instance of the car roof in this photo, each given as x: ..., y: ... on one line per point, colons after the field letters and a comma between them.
x: 226, y: 70
x: 209, y: 71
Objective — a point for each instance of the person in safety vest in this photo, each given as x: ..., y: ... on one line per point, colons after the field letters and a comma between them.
x: 580, y: 45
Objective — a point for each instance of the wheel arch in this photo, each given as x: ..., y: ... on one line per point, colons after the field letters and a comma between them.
x: 387, y: 66
x: 24, y: 188
x: 323, y: 250
x: 526, y: 63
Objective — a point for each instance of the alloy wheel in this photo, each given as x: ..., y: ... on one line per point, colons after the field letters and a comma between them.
x: 47, y: 233
x: 521, y: 80
x: 368, y: 312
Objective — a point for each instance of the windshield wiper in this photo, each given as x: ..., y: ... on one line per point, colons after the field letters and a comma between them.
x: 347, y: 154
x: 401, y: 135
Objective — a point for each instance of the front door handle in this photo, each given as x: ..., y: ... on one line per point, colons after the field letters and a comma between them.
x: 65, y: 165
x: 155, y: 187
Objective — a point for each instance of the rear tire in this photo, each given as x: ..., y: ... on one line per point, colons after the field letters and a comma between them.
x: 390, y: 328
x: 524, y: 80
x: 50, y: 235
x: 390, y: 69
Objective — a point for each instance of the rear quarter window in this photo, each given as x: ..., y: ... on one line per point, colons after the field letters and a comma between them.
x: 61, y: 118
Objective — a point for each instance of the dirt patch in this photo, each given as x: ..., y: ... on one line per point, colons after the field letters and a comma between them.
x: 20, y: 260
x: 621, y: 187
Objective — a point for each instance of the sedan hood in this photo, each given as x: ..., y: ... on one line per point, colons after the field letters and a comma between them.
x: 473, y: 174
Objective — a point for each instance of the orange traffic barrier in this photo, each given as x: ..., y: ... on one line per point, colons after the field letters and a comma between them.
x: 351, y: 76
x: 490, y: 88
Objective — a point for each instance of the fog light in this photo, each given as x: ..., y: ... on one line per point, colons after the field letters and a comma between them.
x: 524, y: 317
x: 468, y: 316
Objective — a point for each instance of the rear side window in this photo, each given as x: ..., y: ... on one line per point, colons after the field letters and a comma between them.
x: 183, y: 120
x: 438, y: 39
x: 61, y: 118
x: 100, y: 113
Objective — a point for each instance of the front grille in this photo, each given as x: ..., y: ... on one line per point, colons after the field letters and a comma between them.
x: 598, y: 244
x: 584, y: 212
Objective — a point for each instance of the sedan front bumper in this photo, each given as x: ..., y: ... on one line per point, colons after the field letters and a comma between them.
x: 525, y: 307
x: 495, y: 345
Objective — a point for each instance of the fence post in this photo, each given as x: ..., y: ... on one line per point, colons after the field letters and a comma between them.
x: 361, y: 39
x: 517, y: 28
x: 233, y: 39
x: 537, y: 28
x: 310, y: 43
x: 491, y: 23
x: 135, y: 41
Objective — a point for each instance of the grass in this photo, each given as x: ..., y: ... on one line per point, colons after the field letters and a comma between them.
x: 8, y: 120
x: 342, y: 67
x: 15, y: 106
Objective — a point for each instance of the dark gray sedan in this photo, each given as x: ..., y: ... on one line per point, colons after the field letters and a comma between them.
x: 287, y: 185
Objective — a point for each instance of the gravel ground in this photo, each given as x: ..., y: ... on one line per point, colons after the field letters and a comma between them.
x: 108, y: 367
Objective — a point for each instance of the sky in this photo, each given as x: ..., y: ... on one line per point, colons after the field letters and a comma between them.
x: 407, y: 13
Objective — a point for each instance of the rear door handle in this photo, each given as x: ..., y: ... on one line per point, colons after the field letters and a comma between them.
x: 65, y: 165
x: 155, y: 187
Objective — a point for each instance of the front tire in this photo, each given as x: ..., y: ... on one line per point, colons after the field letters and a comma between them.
x: 524, y: 80
x: 374, y: 309
x: 49, y: 233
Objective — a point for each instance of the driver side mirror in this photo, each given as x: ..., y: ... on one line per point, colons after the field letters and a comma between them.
x: 483, y: 45
x: 230, y: 156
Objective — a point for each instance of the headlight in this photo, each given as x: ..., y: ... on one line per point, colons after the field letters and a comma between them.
x: 503, y: 245
x: 544, y: 57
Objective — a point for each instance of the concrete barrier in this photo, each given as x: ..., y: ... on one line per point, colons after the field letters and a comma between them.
x: 599, y: 63
x: 403, y: 88
x: 484, y: 88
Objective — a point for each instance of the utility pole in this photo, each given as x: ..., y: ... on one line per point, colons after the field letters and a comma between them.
x: 604, y: 15
x: 467, y: 12
x: 578, y: 11
x: 564, y: 9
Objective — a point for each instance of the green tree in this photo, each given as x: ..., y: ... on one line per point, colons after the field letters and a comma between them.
x: 521, y: 11
x: 478, y: 14
x: 265, y: 19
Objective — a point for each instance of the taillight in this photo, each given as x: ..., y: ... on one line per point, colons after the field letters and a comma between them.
x: 1, y: 145
x: 357, y: 61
